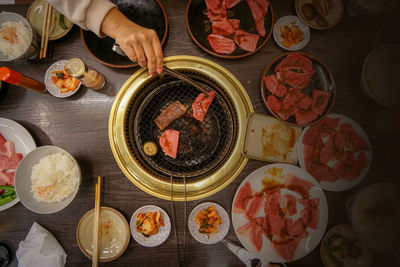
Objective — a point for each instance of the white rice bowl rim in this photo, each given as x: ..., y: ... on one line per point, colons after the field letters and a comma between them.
x: 23, y: 183
x: 14, y: 17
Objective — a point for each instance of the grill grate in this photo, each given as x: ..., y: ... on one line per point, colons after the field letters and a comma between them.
x: 202, y: 145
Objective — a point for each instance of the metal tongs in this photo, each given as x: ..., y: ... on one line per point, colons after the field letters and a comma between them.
x: 201, y: 87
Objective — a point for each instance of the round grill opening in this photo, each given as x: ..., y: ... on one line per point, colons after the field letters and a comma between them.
x: 203, y: 146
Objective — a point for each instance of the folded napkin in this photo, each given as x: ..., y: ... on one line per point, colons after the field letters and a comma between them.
x: 40, y: 248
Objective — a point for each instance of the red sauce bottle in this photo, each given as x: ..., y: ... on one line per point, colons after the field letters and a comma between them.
x: 13, y: 77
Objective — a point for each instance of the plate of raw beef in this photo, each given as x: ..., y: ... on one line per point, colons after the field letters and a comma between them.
x: 230, y: 28
x: 298, y: 88
x: 279, y: 213
x: 336, y: 152
x: 15, y: 143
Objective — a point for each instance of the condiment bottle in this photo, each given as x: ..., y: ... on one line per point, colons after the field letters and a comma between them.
x: 13, y: 77
x: 89, y: 77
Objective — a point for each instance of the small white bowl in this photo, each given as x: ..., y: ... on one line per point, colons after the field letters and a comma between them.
x: 286, y: 20
x: 54, y: 90
x: 23, y: 183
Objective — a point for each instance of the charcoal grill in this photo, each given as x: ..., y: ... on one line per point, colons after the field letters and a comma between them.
x: 209, y: 154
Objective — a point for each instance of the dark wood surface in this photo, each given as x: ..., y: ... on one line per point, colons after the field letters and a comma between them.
x: 79, y: 124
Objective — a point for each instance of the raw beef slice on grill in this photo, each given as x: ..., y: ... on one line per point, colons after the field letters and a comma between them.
x: 201, y: 104
x: 320, y: 101
x: 275, y: 86
x: 223, y: 28
x: 231, y: 3
x: 169, y: 141
x: 221, y: 44
x: 259, y: 9
x: 216, y: 10
x: 253, y: 231
x: 246, y: 41
x: 243, y: 197
x: 168, y: 115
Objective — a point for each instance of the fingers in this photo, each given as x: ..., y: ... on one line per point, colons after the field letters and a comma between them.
x: 151, y: 57
x: 129, y: 52
x: 141, y: 58
x: 158, y: 53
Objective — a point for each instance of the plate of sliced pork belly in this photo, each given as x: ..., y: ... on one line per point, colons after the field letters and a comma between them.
x: 336, y: 151
x: 279, y: 213
x: 230, y: 28
x: 15, y: 143
x: 298, y: 88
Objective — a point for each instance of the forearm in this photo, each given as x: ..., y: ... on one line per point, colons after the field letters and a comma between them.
x: 112, y: 21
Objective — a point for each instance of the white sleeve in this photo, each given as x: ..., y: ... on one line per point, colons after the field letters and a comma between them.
x: 87, y: 14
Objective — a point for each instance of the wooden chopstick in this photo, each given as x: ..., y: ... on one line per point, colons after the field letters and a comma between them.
x: 96, y: 220
x: 45, y: 30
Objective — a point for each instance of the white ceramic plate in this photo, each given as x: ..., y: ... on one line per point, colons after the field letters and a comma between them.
x: 163, y: 231
x: 23, y: 183
x: 23, y: 142
x: 287, y: 20
x: 223, y: 228
x: 341, y: 184
x: 307, y: 244
x: 54, y: 90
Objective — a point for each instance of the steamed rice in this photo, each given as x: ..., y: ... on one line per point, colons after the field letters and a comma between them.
x: 15, y: 38
x: 54, y: 178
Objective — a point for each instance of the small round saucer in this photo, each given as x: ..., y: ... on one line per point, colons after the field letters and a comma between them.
x: 154, y: 240
x: 291, y: 20
x: 54, y: 90
x: 60, y: 25
x: 222, y: 229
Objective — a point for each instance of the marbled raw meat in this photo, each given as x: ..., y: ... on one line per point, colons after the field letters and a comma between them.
x: 255, y: 204
x: 310, y: 213
x: 223, y: 28
x: 288, y: 204
x: 285, y: 247
x: 275, y: 86
x: 201, y: 105
x: 246, y: 41
x: 259, y: 9
x: 221, y: 44
x: 216, y: 9
x: 231, y: 3
x: 252, y: 231
x: 320, y: 100
x: 304, y: 117
x: 242, y: 199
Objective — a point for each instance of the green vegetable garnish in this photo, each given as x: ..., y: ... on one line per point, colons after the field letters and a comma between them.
x: 6, y: 187
x: 60, y: 75
x: 62, y: 24
x: 7, y: 199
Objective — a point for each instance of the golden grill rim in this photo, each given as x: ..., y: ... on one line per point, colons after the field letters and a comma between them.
x: 219, y: 179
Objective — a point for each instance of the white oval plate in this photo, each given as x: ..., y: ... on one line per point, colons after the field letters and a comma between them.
x: 54, y: 90
x: 340, y: 184
x: 223, y: 228
x: 286, y: 20
x: 307, y: 244
x: 163, y: 231
x: 23, y: 142
x: 23, y: 183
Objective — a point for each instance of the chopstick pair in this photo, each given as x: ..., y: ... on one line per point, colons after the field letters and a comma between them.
x: 45, y: 30
x: 96, y: 220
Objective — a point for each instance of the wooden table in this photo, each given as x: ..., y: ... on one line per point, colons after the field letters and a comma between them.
x: 79, y: 124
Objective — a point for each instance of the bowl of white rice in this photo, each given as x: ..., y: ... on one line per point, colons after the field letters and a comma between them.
x: 17, y: 40
x: 47, y: 179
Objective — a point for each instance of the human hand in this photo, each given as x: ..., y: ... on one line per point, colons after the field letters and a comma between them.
x: 140, y: 44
